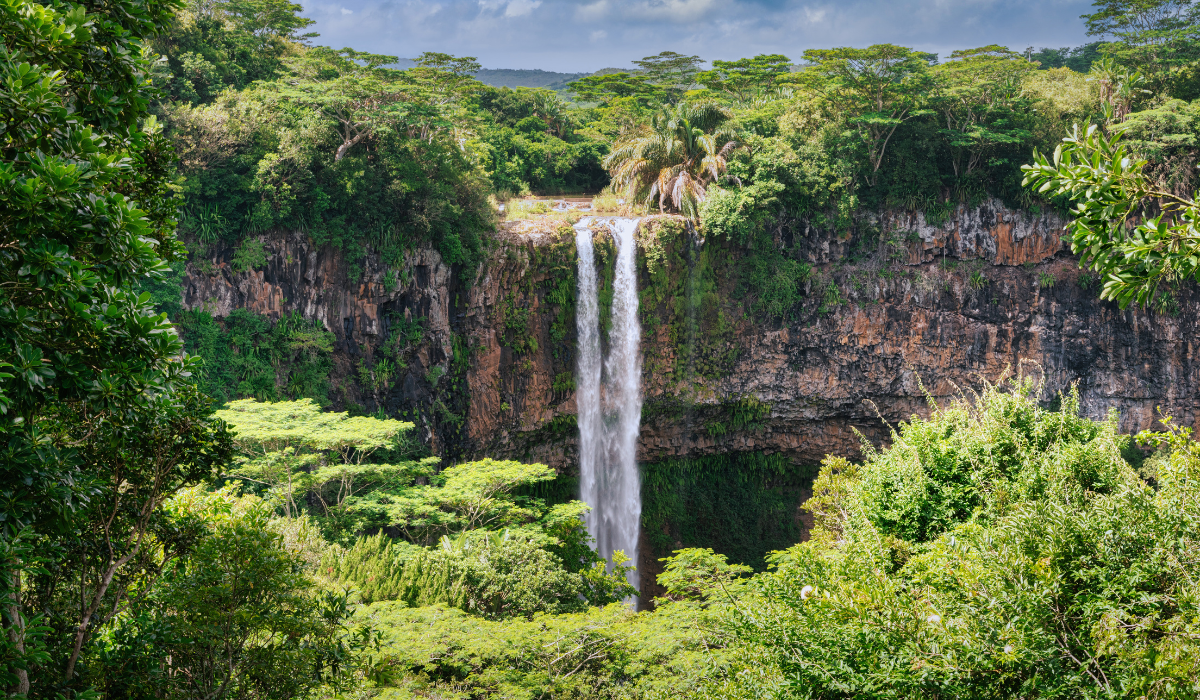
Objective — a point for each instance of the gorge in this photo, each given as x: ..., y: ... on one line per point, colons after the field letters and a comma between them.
x: 729, y: 394
x: 789, y: 382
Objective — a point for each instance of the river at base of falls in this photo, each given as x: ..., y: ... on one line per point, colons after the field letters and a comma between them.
x: 609, y: 395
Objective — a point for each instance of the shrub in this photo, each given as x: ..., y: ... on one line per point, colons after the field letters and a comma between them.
x: 493, y: 574
x: 831, y: 297
x: 609, y: 652
x: 250, y: 255
x: 605, y: 203
x: 996, y: 549
x: 526, y: 209
x: 776, y: 281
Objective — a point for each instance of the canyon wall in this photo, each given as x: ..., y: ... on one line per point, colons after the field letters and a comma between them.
x: 929, y: 308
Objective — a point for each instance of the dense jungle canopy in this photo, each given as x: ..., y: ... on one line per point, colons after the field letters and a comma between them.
x: 181, y: 516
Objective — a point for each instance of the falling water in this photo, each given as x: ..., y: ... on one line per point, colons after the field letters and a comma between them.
x: 610, y: 413
x: 587, y: 386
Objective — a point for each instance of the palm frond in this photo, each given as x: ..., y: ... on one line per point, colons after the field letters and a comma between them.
x: 714, y: 166
x: 728, y: 148
x: 676, y: 158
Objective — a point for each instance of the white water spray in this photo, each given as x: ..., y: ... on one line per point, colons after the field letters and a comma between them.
x: 610, y: 411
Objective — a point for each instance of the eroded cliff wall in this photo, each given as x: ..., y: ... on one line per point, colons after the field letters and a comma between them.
x: 941, y: 307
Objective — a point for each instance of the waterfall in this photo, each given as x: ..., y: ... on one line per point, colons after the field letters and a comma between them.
x: 587, y: 385
x: 609, y: 411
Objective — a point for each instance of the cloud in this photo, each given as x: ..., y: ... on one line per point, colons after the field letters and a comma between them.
x: 674, y: 11
x: 520, y: 8
x: 593, y: 12
x: 669, y: 11
x: 574, y: 35
x: 512, y: 8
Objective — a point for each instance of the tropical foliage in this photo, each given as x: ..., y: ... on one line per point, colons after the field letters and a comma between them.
x: 1140, y: 238
x: 684, y: 151
x: 996, y: 549
x: 90, y: 372
x: 152, y: 546
x: 747, y: 79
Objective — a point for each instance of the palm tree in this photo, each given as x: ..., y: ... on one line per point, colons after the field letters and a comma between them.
x: 681, y: 155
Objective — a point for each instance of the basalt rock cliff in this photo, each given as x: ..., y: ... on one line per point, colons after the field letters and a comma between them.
x: 893, y: 313
x: 919, y: 310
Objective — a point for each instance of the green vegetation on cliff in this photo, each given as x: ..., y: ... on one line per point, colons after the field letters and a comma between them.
x: 996, y: 549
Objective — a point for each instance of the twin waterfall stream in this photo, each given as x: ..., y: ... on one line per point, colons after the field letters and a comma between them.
x: 609, y: 395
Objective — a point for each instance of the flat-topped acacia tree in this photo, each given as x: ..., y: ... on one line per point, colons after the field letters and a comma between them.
x: 265, y: 427
x: 746, y: 79
x: 980, y: 99
x: 875, y: 90
x: 295, y: 448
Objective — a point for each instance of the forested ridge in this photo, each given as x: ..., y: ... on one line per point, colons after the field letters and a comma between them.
x: 183, y: 516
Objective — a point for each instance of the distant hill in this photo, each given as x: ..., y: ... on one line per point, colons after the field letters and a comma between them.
x: 519, y: 77
x: 527, y: 78
x: 514, y: 77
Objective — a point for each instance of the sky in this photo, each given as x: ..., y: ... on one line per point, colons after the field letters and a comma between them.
x: 586, y: 35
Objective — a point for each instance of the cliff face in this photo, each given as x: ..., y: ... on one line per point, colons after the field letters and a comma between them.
x: 942, y: 306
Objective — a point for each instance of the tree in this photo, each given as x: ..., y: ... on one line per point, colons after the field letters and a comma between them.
x: 86, y: 213
x: 745, y: 79
x: 684, y: 152
x: 413, y: 168
x: 982, y: 103
x: 1151, y: 34
x: 1119, y: 88
x: 448, y: 77
x: 297, y: 449
x: 875, y: 90
x: 267, y: 19
x: 1078, y: 59
x: 123, y: 541
x: 552, y: 109
x: 1142, y: 240
x: 353, y: 88
x: 216, y: 44
x: 369, y: 100
x: 494, y: 551
x: 261, y: 428
x: 236, y: 618
x: 672, y: 71
x: 606, y: 88
x: 469, y: 496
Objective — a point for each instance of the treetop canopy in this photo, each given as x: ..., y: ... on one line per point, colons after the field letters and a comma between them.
x: 272, y: 427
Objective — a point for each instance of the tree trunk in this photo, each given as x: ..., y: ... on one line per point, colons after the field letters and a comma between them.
x: 81, y: 632
x: 347, y: 145
x: 16, y: 630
